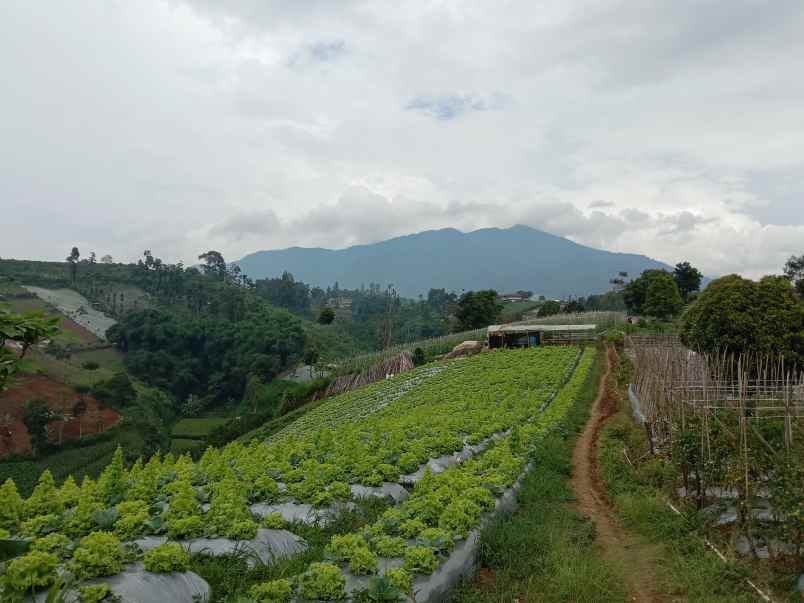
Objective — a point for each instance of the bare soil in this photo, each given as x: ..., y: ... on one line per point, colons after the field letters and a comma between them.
x: 635, y: 561
x: 60, y: 398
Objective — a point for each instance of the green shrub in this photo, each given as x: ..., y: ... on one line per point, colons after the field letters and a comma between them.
x: 99, y: 554
x: 322, y: 581
x: 275, y: 591
x: 168, y: 557
x: 33, y: 570
x: 90, y: 365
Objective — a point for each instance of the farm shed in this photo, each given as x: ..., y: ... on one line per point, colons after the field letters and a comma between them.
x: 524, y: 336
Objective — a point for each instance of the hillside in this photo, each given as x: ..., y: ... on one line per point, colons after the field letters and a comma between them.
x: 507, y: 259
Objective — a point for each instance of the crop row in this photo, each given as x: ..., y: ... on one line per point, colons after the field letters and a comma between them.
x: 351, y: 439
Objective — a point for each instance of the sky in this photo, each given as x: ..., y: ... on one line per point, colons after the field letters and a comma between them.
x: 669, y: 128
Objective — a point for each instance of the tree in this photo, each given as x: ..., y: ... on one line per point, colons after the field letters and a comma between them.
x: 636, y: 291
x: 662, y: 299
x: 740, y: 315
x: 36, y: 417
x: 25, y: 330
x: 214, y: 264
x: 107, y: 259
x: 548, y: 308
x: 253, y: 392
x: 477, y: 309
x: 794, y: 271
x: 92, y: 257
x: 72, y: 260
x: 688, y: 279
x: 326, y: 317
x: 311, y: 356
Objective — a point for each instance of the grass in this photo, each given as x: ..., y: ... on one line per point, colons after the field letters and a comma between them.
x: 197, y: 428
x: 545, y: 550
x: 689, y: 571
x: 182, y: 445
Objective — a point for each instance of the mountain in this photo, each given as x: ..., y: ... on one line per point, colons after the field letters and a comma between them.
x: 505, y: 259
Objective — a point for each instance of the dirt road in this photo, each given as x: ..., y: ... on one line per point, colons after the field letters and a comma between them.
x: 633, y: 560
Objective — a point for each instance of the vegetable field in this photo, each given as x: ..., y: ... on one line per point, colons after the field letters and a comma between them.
x: 457, y: 436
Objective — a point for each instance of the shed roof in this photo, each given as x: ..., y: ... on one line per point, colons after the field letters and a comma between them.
x: 538, y: 328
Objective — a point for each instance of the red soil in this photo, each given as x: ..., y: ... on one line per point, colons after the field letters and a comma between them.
x: 84, y: 335
x: 60, y: 398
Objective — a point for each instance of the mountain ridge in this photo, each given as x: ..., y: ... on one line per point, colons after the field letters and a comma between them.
x: 506, y: 259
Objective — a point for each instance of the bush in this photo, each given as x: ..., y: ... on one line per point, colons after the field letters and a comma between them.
x: 275, y: 591
x: 90, y: 365
x: 322, y: 581
x: 400, y: 578
x: 166, y: 558
x: 185, y: 527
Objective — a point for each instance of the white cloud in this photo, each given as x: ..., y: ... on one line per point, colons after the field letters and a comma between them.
x: 661, y: 127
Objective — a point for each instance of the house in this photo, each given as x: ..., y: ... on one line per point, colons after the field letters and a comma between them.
x: 513, y: 297
x: 525, y: 336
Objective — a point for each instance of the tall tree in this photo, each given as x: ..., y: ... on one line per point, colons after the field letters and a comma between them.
x: 688, y: 279
x: 107, y: 259
x: 740, y: 315
x: 636, y: 291
x: 36, y: 417
x: 794, y: 271
x: 214, y: 263
x: 477, y: 309
x: 72, y: 260
x: 662, y: 299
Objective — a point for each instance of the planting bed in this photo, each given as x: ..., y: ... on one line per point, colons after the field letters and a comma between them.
x: 464, y: 429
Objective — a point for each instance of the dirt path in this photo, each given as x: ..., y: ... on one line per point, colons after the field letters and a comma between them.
x: 633, y: 560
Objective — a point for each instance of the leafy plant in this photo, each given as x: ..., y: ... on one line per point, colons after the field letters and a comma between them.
x: 99, y: 554
x: 388, y: 546
x: 55, y: 543
x: 322, y: 581
x: 32, y: 571
x: 274, y: 591
x: 420, y: 559
x: 97, y: 593
x: 362, y: 562
x: 168, y: 557
x: 274, y: 521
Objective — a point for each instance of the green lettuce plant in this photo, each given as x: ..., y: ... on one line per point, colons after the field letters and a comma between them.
x: 322, y: 581
x: 168, y: 557
x: 274, y: 591
x: 98, y: 554
x: 32, y: 571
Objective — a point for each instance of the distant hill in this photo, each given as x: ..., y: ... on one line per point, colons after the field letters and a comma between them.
x: 505, y: 259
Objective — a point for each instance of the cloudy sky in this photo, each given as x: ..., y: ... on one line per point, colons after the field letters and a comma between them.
x: 670, y: 128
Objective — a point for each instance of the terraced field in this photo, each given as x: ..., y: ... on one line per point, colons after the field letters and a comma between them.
x: 457, y: 435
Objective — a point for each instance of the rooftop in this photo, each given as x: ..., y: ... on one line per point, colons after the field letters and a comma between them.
x: 538, y: 328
